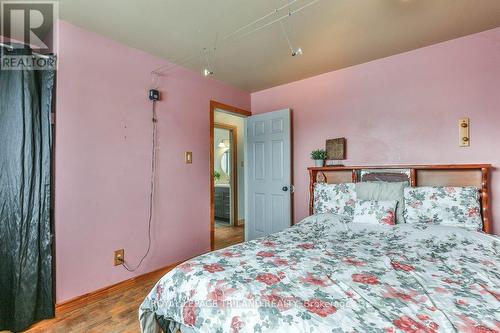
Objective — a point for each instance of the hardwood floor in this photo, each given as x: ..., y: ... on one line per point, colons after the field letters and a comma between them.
x: 227, y: 235
x: 115, y: 311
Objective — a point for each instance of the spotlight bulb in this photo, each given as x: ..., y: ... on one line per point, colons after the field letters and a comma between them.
x: 207, y: 72
x: 297, y: 52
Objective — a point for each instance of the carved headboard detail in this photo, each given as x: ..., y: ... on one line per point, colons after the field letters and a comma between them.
x: 418, y: 175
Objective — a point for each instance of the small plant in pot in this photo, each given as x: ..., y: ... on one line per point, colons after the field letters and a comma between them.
x: 319, y: 157
x: 216, y: 175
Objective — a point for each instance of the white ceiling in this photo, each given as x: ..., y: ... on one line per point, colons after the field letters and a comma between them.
x: 333, y: 33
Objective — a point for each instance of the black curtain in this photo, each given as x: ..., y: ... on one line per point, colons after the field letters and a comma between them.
x: 26, y: 294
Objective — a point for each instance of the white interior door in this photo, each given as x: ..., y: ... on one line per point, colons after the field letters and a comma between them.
x: 268, y: 175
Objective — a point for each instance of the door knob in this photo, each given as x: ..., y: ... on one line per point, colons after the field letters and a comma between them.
x: 284, y: 188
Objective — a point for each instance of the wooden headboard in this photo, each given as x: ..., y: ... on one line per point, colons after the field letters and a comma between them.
x: 418, y: 175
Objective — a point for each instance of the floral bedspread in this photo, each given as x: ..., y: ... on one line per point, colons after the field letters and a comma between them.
x: 322, y: 275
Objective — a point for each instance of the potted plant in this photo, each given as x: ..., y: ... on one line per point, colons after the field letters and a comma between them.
x: 319, y: 157
x: 216, y: 175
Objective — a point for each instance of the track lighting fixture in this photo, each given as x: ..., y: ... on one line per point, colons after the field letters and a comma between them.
x: 207, y: 72
x: 243, y: 31
x: 297, y: 52
x: 294, y: 51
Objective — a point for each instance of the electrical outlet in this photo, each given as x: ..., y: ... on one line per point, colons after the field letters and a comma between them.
x: 119, y: 257
x: 188, y: 157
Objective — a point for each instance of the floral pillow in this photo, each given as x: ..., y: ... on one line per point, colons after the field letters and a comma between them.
x: 375, y: 212
x: 335, y: 199
x: 451, y: 206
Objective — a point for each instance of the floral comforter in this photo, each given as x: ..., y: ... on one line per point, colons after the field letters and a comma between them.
x: 322, y: 275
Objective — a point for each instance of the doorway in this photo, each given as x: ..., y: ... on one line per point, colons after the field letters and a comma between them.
x: 227, y: 192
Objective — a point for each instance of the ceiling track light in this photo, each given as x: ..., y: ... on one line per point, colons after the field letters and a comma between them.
x: 207, y: 72
x: 293, y: 51
x: 241, y: 32
x: 297, y: 52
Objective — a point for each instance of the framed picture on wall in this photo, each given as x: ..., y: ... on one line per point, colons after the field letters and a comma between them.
x: 335, y: 149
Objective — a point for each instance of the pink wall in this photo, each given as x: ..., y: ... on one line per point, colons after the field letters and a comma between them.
x: 401, y: 109
x: 103, y: 158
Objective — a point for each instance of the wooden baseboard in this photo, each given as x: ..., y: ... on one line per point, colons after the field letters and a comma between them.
x: 88, y: 298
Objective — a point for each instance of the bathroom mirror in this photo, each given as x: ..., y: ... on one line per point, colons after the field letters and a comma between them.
x: 224, y: 162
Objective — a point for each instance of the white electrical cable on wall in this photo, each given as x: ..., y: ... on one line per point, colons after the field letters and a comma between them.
x: 151, y: 192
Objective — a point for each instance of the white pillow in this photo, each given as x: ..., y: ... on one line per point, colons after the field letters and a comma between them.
x: 451, y: 206
x: 375, y: 212
x: 335, y: 199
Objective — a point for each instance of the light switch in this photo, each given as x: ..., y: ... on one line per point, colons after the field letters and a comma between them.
x: 464, y: 132
x: 189, y: 157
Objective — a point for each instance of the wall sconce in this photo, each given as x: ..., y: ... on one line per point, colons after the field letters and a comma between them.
x: 223, y: 143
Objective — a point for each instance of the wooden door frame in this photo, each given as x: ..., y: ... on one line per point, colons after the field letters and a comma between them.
x: 231, y: 109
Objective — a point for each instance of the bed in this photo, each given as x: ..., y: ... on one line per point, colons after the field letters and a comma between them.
x: 326, y: 275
